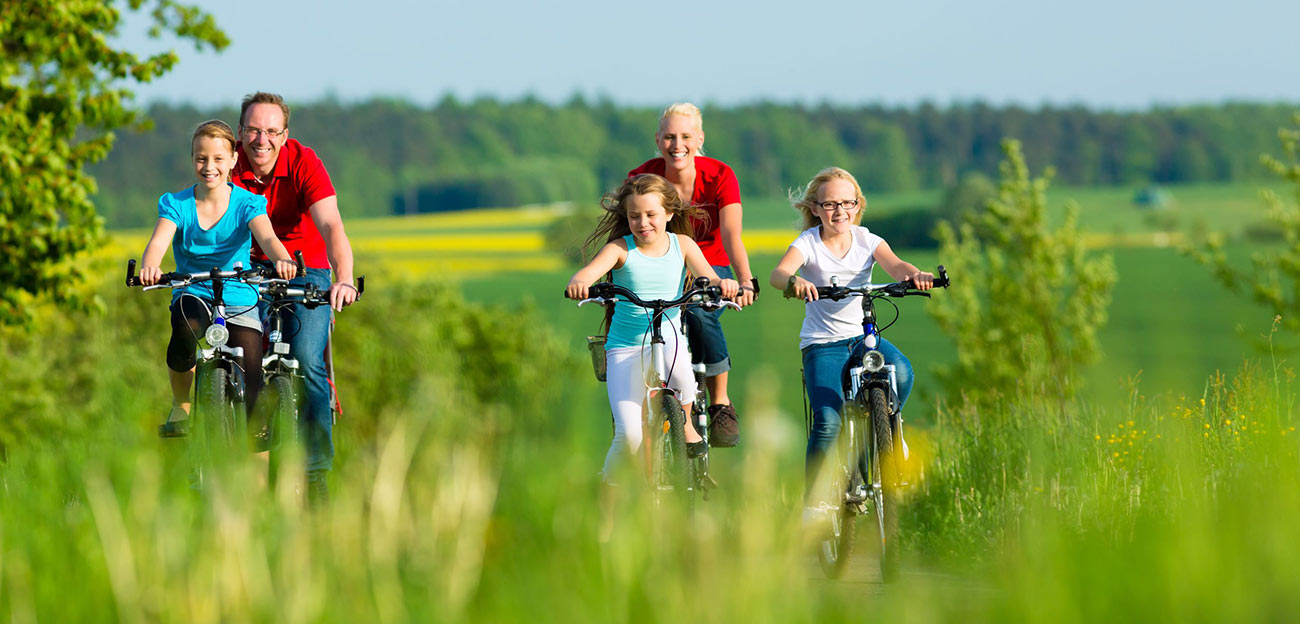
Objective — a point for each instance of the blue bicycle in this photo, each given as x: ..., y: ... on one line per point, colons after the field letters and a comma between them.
x: 867, y: 475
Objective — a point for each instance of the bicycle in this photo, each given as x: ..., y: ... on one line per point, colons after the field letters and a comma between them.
x: 218, y: 405
x: 668, y: 466
x: 279, y: 403
x: 867, y: 477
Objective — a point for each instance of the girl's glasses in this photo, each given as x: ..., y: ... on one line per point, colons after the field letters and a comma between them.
x: 830, y: 206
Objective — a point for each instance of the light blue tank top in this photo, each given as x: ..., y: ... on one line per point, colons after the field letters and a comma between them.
x: 649, y: 278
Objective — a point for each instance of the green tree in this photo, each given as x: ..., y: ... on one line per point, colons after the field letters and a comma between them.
x: 1274, y: 276
x: 1026, y: 300
x: 61, y: 97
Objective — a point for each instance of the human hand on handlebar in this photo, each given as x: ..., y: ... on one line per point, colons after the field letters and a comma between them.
x: 730, y: 288
x: 801, y: 288
x: 150, y: 275
x: 342, y: 294
x: 577, y: 289
x: 921, y: 280
x: 286, y: 269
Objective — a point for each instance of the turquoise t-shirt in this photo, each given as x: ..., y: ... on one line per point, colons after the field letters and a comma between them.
x: 650, y: 278
x: 227, y: 242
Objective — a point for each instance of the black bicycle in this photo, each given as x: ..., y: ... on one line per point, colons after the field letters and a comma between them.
x: 279, y: 405
x: 867, y: 476
x: 219, y: 402
x: 671, y: 471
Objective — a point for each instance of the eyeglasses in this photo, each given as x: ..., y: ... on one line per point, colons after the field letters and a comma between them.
x: 830, y: 206
x: 253, y: 133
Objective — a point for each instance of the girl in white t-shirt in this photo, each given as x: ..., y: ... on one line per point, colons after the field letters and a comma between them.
x: 834, y: 245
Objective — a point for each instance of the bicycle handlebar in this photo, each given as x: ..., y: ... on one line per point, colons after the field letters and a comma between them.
x: 902, y: 288
x: 263, y: 277
x: 700, y: 294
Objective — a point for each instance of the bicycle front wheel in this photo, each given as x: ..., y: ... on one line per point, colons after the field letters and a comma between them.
x: 672, y: 475
x: 219, y: 412
x: 280, y: 402
x: 846, y: 481
x: 887, y: 473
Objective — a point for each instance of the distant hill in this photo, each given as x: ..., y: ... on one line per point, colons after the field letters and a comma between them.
x: 390, y: 157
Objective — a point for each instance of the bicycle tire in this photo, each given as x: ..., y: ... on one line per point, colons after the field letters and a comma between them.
x: 218, y: 413
x: 846, y: 479
x: 673, y: 474
x: 280, y: 400
x: 886, y: 466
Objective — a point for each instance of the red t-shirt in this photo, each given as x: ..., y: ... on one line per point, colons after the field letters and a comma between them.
x: 298, y: 181
x: 715, y: 187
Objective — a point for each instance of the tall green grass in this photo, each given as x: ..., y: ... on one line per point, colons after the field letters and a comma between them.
x: 466, y: 487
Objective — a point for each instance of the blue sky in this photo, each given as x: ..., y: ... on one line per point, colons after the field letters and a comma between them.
x: 1102, y: 53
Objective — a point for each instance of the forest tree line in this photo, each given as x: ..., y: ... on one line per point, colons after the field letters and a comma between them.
x: 389, y: 156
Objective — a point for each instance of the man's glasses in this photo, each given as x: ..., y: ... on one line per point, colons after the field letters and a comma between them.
x: 830, y: 206
x: 253, y: 133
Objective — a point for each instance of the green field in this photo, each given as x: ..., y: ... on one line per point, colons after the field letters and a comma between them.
x: 466, y: 476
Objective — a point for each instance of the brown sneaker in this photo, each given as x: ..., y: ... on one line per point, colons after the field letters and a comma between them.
x: 724, y: 430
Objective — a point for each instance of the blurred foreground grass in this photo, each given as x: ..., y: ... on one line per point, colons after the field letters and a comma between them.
x: 465, y: 490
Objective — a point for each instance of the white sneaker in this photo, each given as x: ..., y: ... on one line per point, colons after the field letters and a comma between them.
x: 817, y: 519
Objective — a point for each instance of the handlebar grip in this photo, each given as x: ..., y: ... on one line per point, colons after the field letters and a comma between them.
x: 302, y: 265
x: 361, y: 285
x: 942, y: 280
x: 131, y: 279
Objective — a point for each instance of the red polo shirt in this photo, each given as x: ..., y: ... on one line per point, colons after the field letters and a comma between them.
x: 715, y: 186
x: 298, y: 181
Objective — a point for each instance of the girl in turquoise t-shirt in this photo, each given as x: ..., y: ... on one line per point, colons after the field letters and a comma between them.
x: 211, y: 224
x: 648, y: 251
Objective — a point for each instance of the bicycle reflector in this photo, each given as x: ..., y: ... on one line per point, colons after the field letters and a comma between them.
x: 216, y: 335
x: 873, y: 361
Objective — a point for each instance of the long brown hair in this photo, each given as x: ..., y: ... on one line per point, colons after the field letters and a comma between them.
x: 613, y: 223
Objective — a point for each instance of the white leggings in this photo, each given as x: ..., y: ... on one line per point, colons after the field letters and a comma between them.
x: 625, y: 380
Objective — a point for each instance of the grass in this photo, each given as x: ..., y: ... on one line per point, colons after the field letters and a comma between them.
x: 465, y: 483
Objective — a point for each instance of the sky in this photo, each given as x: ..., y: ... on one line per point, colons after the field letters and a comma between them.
x: 1110, y: 54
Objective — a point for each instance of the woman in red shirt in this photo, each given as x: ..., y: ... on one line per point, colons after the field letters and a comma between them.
x: 711, y: 185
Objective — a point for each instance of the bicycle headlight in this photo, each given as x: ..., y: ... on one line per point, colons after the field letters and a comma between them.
x: 873, y: 361
x: 216, y: 335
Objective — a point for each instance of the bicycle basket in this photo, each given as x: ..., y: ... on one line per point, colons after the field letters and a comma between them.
x: 596, y: 344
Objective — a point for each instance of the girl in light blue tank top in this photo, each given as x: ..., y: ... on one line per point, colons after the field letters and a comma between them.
x: 647, y: 250
x: 650, y: 278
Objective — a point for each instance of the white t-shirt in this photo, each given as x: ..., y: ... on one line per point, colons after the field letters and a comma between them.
x: 825, y: 320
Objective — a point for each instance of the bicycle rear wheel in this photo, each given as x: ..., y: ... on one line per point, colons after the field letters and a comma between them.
x: 672, y: 474
x: 886, y: 471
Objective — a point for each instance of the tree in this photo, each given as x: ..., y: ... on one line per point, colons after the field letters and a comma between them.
x: 61, y: 97
x: 1274, y: 278
x: 1026, y: 301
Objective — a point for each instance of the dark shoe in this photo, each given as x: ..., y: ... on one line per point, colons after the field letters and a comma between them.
x: 261, y: 441
x: 318, y: 489
x: 174, y: 428
x: 724, y: 430
x: 696, y: 449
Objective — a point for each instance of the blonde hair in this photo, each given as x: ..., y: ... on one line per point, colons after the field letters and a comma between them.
x: 613, y: 223
x: 685, y: 109
x: 805, y: 202
x: 214, y: 129
x: 682, y: 109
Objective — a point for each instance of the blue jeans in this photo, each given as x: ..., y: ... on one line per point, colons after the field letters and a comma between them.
x: 308, y: 332
x: 704, y: 334
x: 825, y: 366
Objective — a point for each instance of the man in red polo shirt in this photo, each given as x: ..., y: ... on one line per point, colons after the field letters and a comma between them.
x: 304, y: 211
